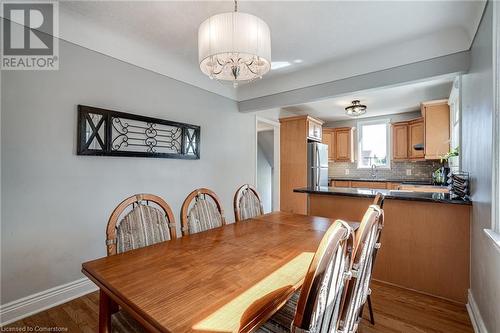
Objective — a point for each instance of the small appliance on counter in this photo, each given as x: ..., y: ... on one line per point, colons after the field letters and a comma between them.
x: 317, y: 164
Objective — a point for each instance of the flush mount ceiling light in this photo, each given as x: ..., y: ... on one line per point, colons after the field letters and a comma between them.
x: 234, y: 47
x: 355, y: 109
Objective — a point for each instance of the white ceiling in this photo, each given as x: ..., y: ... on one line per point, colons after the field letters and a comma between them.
x: 379, y: 102
x: 321, y: 40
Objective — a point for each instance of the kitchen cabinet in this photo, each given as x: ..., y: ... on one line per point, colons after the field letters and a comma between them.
x: 400, y: 141
x: 424, y: 188
x: 436, y: 116
x: 343, y: 141
x: 368, y: 184
x: 408, y: 140
x: 416, y: 145
x: 341, y: 183
x: 314, y: 129
x: 294, y: 135
x: 328, y: 140
x: 393, y: 186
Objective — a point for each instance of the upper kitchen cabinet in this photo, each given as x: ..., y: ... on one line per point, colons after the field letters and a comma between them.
x: 400, y: 141
x: 328, y: 140
x: 416, y: 149
x: 343, y: 143
x: 436, y: 116
x: 314, y: 129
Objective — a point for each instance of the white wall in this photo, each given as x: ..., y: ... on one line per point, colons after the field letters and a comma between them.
x: 56, y: 204
x: 477, y: 140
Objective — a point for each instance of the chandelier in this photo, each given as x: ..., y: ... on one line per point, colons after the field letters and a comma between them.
x: 234, y: 47
x: 355, y: 109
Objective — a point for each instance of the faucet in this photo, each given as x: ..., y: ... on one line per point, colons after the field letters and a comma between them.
x: 374, y: 171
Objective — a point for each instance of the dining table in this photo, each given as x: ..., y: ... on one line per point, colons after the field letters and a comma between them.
x: 228, y: 279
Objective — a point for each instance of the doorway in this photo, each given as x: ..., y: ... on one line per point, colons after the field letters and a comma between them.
x: 267, y: 163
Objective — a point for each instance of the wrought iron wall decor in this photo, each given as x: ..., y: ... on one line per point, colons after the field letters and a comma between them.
x: 112, y: 133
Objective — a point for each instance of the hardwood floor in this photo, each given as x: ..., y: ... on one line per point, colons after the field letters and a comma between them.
x: 396, y: 310
x: 400, y: 310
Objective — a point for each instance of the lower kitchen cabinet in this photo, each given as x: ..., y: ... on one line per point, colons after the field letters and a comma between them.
x: 425, y: 245
x: 371, y: 185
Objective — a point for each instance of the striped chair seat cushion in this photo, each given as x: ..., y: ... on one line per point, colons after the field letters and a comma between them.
x: 282, y: 320
x: 204, y: 215
x: 143, y: 226
x: 250, y: 205
x: 121, y: 322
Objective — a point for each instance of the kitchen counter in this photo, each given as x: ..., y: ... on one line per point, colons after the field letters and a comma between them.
x: 383, y: 180
x: 425, y: 239
x: 389, y: 194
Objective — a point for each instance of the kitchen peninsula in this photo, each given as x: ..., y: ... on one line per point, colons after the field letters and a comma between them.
x: 425, y: 241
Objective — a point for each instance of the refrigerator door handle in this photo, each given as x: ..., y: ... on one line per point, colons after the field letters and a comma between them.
x: 319, y: 167
x: 319, y: 177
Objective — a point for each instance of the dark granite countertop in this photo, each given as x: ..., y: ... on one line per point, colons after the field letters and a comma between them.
x: 389, y: 194
x: 392, y: 180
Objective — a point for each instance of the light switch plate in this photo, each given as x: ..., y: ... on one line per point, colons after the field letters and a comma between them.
x: 346, y: 171
x: 408, y: 172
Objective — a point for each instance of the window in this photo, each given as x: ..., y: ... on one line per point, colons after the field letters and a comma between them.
x: 373, y: 144
x: 494, y: 232
x: 454, y: 103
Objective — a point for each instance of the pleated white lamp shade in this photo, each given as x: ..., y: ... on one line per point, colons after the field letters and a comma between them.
x: 234, y: 46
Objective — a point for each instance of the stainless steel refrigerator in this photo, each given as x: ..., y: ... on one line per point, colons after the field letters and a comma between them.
x: 317, y: 162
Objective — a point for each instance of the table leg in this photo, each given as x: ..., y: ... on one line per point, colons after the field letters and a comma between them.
x: 106, y: 308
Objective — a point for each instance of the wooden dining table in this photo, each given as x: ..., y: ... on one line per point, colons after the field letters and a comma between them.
x: 228, y: 279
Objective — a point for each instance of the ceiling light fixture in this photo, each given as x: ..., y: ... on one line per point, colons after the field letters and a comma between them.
x: 234, y: 47
x: 356, y: 109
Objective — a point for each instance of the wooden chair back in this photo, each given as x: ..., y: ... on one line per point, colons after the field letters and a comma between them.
x: 247, y: 203
x: 156, y: 204
x: 193, y: 199
x: 365, y: 244
x: 379, y: 200
x: 319, y: 304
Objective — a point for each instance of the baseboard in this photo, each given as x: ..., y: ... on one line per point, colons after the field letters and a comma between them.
x: 44, y: 300
x: 475, y: 315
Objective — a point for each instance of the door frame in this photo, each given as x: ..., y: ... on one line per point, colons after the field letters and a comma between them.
x: 276, y: 160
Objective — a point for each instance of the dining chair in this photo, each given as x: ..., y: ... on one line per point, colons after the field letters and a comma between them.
x: 362, y: 263
x: 317, y: 306
x: 378, y: 201
x: 138, y: 221
x: 201, y: 211
x: 247, y: 203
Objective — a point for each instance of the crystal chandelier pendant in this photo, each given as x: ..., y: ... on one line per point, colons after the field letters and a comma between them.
x: 234, y: 47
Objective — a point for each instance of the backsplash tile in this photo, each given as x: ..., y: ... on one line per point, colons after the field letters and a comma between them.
x: 421, y: 170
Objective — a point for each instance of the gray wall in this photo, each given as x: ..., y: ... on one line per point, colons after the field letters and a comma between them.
x: 264, y: 179
x: 477, y: 104
x: 56, y: 204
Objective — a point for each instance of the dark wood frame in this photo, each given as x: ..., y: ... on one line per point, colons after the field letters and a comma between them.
x: 108, y: 115
x: 135, y: 199
x: 187, y: 203
x: 237, y: 198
